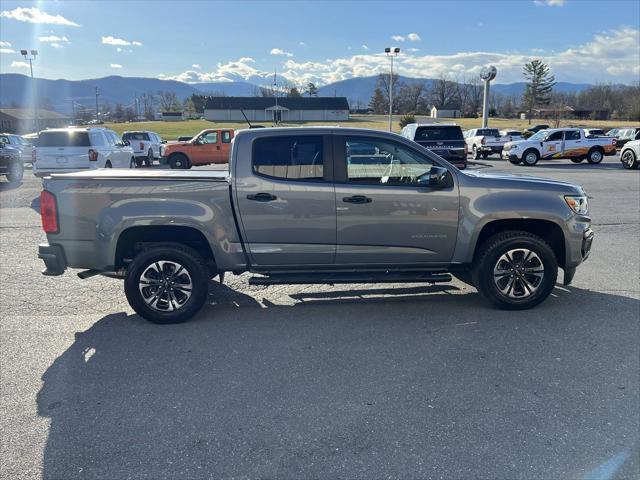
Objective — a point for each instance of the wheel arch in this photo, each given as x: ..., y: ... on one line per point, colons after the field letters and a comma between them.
x: 135, y: 239
x: 548, y: 230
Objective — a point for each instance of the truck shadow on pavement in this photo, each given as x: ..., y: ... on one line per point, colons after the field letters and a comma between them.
x: 352, y: 388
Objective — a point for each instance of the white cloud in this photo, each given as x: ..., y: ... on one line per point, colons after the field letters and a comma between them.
x: 115, y: 65
x: 414, y: 37
x: 549, y: 3
x: 364, y: 47
x: 35, y: 15
x: 5, y: 44
x: 302, y: 44
x: 56, y: 45
x: 7, y: 50
x: 242, y: 69
x: 109, y: 40
x: 398, y: 38
x: 279, y: 51
x: 118, y: 49
x: 413, y: 50
x: 19, y: 64
x: 195, y: 65
x: 54, y: 39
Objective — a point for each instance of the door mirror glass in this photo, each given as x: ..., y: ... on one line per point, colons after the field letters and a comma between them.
x: 126, y: 142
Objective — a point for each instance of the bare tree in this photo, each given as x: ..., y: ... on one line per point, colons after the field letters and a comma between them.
x: 444, y: 91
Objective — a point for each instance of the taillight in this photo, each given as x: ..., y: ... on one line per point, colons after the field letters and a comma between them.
x: 93, y: 155
x: 33, y: 155
x: 483, y: 141
x: 49, y: 212
x: 466, y: 149
x: 141, y: 146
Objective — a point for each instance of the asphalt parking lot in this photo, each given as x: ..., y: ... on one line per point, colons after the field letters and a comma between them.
x: 362, y: 381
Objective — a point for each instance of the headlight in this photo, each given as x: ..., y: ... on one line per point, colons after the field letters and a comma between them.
x: 577, y: 203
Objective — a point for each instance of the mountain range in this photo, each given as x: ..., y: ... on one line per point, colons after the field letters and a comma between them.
x: 15, y: 89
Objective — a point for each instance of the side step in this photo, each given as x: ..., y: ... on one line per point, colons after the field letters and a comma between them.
x: 349, y: 277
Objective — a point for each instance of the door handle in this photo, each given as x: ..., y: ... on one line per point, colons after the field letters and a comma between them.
x: 357, y: 199
x: 262, y: 197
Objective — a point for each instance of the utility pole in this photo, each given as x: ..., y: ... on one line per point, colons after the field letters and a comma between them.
x: 487, y: 74
x: 391, y: 52
x: 34, y: 54
x: 97, y: 108
x: 275, y: 92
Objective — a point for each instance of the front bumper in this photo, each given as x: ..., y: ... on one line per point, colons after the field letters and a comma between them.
x: 587, y: 241
x: 507, y: 155
x: 54, y: 259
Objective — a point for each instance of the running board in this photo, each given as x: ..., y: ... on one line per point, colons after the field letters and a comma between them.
x: 336, y: 278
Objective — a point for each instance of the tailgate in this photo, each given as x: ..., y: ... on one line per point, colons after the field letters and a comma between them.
x: 51, y: 158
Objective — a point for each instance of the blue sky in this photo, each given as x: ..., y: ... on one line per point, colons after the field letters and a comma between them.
x: 583, y: 41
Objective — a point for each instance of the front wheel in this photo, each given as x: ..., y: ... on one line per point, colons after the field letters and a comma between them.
x: 167, y: 284
x: 179, y: 162
x: 16, y: 171
x: 514, y: 161
x: 515, y: 270
x: 629, y: 160
x: 530, y: 157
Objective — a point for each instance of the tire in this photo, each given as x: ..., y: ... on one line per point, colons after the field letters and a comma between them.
x: 530, y: 157
x: 577, y: 160
x: 16, y: 172
x: 108, y: 165
x: 505, y: 288
x: 139, y: 162
x: 152, y: 270
x: 595, y: 156
x: 179, y: 161
x: 133, y: 163
x: 475, y: 154
x: 485, y: 155
x: 515, y: 162
x: 629, y: 160
x: 149, y: 160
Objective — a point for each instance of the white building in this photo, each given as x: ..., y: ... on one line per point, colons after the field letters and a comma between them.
x: 288, y: 109
x: 445, y: 111
x: 172, y: 116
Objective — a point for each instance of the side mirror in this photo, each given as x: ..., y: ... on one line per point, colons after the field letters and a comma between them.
x: 126, y: 143
x: 438, y: 177
x: 163, y: 141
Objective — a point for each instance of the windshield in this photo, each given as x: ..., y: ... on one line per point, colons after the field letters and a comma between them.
x: 426, y: 134
x: 541, y: 135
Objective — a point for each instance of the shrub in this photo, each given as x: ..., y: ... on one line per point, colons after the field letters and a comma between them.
x: 406, y: 119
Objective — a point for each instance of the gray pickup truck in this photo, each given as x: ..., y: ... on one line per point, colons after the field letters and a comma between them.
x: 314, y: 205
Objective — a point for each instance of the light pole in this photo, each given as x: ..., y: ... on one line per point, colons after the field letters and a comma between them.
x: 34, y: 54
x: 487, y: 74
x: 391, y: 52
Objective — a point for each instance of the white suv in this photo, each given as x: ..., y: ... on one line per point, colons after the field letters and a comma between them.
x: 145, y: 144
x: 63, y: 150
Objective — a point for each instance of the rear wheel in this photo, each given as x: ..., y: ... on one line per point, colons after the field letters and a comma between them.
x: 149, y: 160
x: 16, y: 171
x: 132, y: 163
x: 108, y: 165
x: 577, y: 160
x: 629, y: 160
x: 530, y: 157
x: 515, y: 270
x: 515, y: 161
x: 485, y: 155
x: 167, y: 284
x: 595, y: 156
x: 179, y: 161
x: 475, y: 153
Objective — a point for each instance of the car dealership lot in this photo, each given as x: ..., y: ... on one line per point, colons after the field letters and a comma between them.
x: 357, y: 381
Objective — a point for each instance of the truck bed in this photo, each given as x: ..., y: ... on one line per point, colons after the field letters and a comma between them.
x: 143, y: 174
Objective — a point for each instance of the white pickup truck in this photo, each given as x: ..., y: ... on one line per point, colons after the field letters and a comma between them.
x: 146, y: 146
x: 555, y: 143
x: 483, y: 142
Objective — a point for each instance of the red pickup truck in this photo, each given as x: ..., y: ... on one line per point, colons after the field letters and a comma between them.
x: 207, y: 147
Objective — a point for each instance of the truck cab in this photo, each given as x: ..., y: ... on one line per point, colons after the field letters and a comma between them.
x: 210, y: 146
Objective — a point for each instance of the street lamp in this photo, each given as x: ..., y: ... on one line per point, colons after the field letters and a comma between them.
x: 34, y: 54
x: 486, y: 75
x: 391, y: 52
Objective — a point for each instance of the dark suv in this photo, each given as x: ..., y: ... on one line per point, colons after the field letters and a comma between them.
x: 445, y: 140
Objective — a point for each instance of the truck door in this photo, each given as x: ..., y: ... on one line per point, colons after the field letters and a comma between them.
x: 384, y: 216
x: 552, y: 146
x: 206, y: 150
x: 574, y: 145
x: 286, y: 200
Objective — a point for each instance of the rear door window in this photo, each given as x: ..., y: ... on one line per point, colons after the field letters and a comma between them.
x: 572, y: 135
x: 64, y: 139
x: 289, y: 157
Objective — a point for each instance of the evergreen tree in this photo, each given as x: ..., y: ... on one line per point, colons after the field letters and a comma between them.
x: 539, y: 86
x: 378, y: 103
x: 312, y: 90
